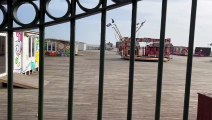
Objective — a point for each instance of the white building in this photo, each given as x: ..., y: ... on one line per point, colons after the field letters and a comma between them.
x: 58, y: 47
x: 26, y: 52
x: 109, y: 46
x: 81, y: 46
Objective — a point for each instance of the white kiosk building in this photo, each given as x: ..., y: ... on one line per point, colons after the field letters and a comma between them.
x: 26, y: 52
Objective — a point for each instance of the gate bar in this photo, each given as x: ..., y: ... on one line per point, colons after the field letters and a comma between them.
x: 102, y: 61
x: 189, y: 60
x: 10, y: 62
x: 72, y: 59
x: 41, y: 59
x: 160, y: 61
x: 132, y: 59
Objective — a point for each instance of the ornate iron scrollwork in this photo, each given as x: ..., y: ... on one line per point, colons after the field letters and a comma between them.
x: 15, y: 9
x: 4, y: 19
x: 89, y: 9
x: 67, y: 14
x: 55, y: 20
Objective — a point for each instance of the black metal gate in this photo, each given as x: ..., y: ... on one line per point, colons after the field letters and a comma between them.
x: 9, y: 10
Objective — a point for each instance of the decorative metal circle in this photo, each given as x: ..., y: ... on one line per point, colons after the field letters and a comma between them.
x: 15, y: 9
x: 4, y: 17
x: 89, y: 9
x: 53, y: 17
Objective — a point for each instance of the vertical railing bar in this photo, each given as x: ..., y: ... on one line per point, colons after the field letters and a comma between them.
x: 189, y: 60
x: 72, y: 59
x: 102, y: 61
x: 41, y: 60
x: 10, y: 61
x: 132, y: 59
x: 160, y: 61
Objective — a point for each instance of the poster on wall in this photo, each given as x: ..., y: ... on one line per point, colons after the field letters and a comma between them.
x: 18, y: 43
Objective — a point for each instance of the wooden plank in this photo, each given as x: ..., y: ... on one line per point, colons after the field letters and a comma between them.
x: 115, y: 89
x: 24, y: 81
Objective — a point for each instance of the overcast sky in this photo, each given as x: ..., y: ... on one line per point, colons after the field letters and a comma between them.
x: 178, y: 18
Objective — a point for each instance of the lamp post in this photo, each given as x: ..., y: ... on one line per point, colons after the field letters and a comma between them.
x: 115, y: 27
x: 137, y: 31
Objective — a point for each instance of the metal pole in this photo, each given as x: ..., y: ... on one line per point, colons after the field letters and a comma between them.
x: 160, y: 61
x: 72, y: 59
x: 189, y: 60
x: 132, y: 59
x: 102, y: 61
x: 117, y: 33
x: 41, y: 60
x: 10, y: 62
x: 118, y: 30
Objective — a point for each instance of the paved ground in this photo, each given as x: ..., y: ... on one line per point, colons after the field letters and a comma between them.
x: 115, y: 89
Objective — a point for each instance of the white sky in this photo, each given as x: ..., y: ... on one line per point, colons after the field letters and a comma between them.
x: 178, y: 18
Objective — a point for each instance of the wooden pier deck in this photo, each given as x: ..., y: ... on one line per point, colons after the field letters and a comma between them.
x: 24, y: 81
x: 115, y: 89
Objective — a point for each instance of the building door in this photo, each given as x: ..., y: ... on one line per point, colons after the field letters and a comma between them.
x: 33, y: 52
x: 2, y: 55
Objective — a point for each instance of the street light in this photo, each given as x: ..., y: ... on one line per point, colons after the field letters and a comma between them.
x: 114, y: 26
x: 140, y: 26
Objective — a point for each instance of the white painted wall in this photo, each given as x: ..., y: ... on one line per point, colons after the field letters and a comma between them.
x: 22, y: 61
x: 18, y: 48
x: 76, y: 49
x: 30, y: 62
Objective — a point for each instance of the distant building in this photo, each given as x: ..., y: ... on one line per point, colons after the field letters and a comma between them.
x: 81, y: 46
x: 180, y: 50
x: 109, y: 46
x: 58, y: 47
x: 92, y: 47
